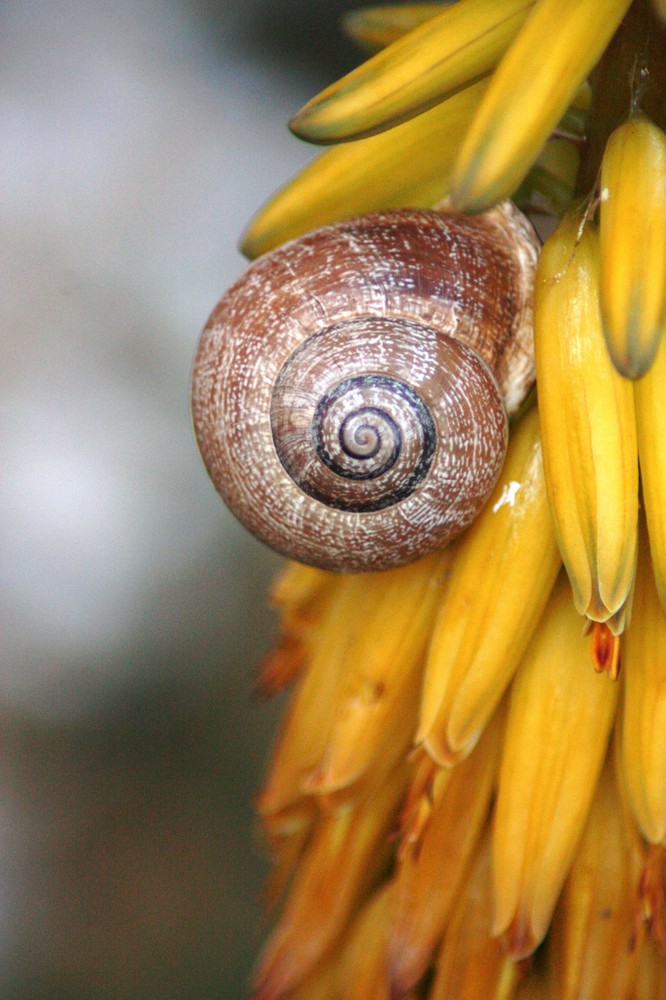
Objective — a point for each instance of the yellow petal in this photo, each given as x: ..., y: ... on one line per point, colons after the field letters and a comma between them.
x: 553, y: 177
x: 471, y: 963
x: 429, y: 878
x: 343, y: 859
x: 297, y: 586
x: 528, y: 94
x: 538, y: 984
x: 322, y: 984
x: 556, y: 738
x: 650, y: 399
x: 376, y: 27
x: 406, y: 167
x: 632, y: 278
x: 652, y: 893
x: 363, y: 968
x: 587, y: 427
x: 644, y: 708
x: 378, y: 693
x: 302, y: 595
x: 650, y: 981
x: 486, y: 619
x: 305, y: 729
x: 286, y: 835
x: 596, y: 939
x: 363, y: 972
x: 431, y: 63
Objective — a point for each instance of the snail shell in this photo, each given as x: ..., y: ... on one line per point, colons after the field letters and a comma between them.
x: 351, y: 390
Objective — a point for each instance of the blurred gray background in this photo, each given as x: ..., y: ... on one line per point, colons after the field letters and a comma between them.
x: 136, y: 140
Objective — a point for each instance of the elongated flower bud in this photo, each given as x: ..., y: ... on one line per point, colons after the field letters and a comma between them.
x: 378, y: 691
x: 528, y: 94
x: 555, y: 742
x: 428, y: 878
x: 471, y: 962
x: 587, y: 428
x: 650, y: 982
x: 632, y: 276
x: 596, y: 934
x: 363, y: 964
x: 450, y: 52
x: 303, y: 736
x: 644, y: 711
x: 345, y: 854
x: 409, y: 165
x: 485, y: 621
x: 650, y: 400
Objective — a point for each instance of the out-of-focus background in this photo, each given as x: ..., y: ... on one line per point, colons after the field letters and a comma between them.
x: 136, y: 140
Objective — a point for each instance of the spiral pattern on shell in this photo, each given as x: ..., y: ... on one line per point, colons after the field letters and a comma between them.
x: 351, y: 389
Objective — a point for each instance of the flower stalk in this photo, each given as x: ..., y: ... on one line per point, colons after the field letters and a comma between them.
x: 468, y: 795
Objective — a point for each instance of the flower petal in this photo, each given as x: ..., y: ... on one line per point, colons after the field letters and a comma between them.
x: 528, y: 94
x: 448, y: 53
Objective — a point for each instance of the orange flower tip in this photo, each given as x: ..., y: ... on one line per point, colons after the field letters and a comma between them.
x: 519, y: 940
x: 605, y: 650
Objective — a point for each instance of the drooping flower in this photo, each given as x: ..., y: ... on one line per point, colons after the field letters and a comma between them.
x: 468, y: 795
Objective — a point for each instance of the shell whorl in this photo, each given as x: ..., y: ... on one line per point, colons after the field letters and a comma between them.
x: 351, y: 390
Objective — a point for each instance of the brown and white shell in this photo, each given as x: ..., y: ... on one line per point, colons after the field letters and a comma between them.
x: 351, y: 390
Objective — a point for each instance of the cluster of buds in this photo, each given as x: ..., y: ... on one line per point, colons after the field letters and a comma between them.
x: 468, y: 795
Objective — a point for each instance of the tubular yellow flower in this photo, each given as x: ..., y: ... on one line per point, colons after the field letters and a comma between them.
x: 410, y: 165
x: 378, y: 688
x: 431, y: 873
x: 375, y: 27
x: 363, y: 967
x: 299, y: 594
x: 484, y: 625
x: 303, y: 736
x: 553, y: 175
x: 323, y: 984
x: 557, y: 733
x: 344, y: 856
x: 632, y: 276
x: 587, y: 423
x: 596, y: 935
x: 450, y: 52
x: 644, y: 707
x: 651, y: 977
x: 471, y: 962
x: 650, y: 400
x: 529, y: 93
